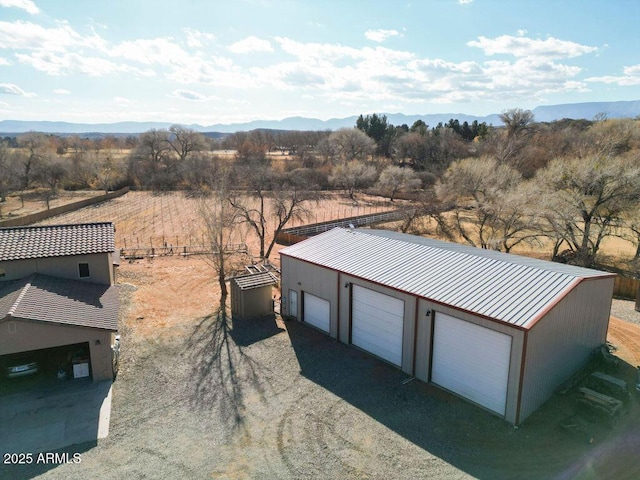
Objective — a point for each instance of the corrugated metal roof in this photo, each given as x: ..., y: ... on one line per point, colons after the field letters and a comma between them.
x: 255, y: 280
x: 58, y: 300
x: 19, y: 243
x: 509, y: 288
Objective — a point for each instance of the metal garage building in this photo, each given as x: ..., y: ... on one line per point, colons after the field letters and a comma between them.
x: 500, y: 330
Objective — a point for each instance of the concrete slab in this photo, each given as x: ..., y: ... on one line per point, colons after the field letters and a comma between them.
x: 48, y: 419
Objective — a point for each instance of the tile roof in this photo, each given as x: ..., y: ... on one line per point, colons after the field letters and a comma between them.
x: 58, y: 300
x: 18, y: 243
x: 509, y: 288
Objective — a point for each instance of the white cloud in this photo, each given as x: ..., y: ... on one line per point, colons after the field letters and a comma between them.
x: 26, y: 5
x: 57, y: 64
x: 61, y: 91
x: 12, y: 89
x: 189, y: 95
x: 329, y: 72
x: 30, y: 36
x: 4, y: 62
x: 381, y: 35
x: 631, y: 76
x: 122, y: 101
x: 250, y: 45
x: 158, y: 51
x: 465, y: 2
x: 528, y: 47
x: 197, y: 39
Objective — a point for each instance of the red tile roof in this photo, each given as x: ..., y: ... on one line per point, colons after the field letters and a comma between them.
x: 18, y: 243
x: 58, y: 300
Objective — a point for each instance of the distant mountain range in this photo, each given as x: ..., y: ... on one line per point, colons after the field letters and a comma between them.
x: 546, y: 113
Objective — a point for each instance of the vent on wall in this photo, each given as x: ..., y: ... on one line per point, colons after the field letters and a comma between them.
x: 12, y: 327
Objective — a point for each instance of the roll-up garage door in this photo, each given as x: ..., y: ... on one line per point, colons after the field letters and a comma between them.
x: 472, y: 361
x: 316, y: 312
x: 376, y: 323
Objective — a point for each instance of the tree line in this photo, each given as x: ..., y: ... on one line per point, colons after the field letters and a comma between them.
x: 571, y: 182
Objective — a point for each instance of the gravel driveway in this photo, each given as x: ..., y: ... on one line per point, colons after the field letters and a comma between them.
x: 625, y: 310
x: 272, y: 399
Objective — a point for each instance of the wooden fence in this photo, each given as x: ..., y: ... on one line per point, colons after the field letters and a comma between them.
x: 626, y: 287
x: 292, y: 235
x: 180, y: 250
x: 69, y: 207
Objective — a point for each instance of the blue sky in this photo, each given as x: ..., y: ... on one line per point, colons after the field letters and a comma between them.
x: 208, y: 62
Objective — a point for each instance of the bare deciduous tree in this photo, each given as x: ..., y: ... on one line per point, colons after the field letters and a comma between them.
x: 271, y: 197
x: 394, y: 179
x: 584, y: 201
x: 518, y: 124
x: 185, y: 141
x: 34, y: 147
x: 8, y: 174
x: 352, y: 176
x: 252, y: 207
x: 486, y: 209
x: 222, y: 230
x: 290, y: 202
x: 351, y: 144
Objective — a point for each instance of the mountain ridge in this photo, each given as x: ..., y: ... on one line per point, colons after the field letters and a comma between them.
x: 544, y: 113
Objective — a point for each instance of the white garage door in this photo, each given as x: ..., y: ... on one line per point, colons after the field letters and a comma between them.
x: 376, y: 323
x: 316, y: 312
x: 471, y: 361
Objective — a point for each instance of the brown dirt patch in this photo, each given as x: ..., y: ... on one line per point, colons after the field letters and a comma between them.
x: 34, y: 202
x: 625, y: 337
x: 171, y: 293
x: 145, y: 219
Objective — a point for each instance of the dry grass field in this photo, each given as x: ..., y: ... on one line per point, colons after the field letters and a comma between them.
x: 146, y: 219
x: 615, y: 251
x: 34, y: 202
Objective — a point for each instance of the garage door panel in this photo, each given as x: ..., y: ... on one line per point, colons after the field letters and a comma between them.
x: 471, y: 361
x: 377, y: 323
x: 317, y: 312
x: 366, y: 322
x: 372, y: 344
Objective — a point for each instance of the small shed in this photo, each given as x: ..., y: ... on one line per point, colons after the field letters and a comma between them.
x: 251, y: 295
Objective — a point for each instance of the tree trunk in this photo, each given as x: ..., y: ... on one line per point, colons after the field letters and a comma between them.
x: 223, y: 285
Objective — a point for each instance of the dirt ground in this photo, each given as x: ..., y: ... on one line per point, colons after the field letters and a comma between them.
x: 34, y: 202
x: 201, y: 396
x: 145, y: 219
x: 625, y: 337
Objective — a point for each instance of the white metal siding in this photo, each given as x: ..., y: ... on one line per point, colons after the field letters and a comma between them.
x: 509, y: 288
x: 472, y: 361
x: 563, y: 340
x: 376, y: 323
x: 316, y: 312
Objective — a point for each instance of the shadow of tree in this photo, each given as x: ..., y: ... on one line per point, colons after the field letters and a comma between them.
x: 223, y: 372
x: 246, y: 332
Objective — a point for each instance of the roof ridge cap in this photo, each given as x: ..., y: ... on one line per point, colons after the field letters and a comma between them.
x: 24, y: 291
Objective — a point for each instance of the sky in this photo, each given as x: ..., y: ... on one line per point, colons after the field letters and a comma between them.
x: 210, y: 62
